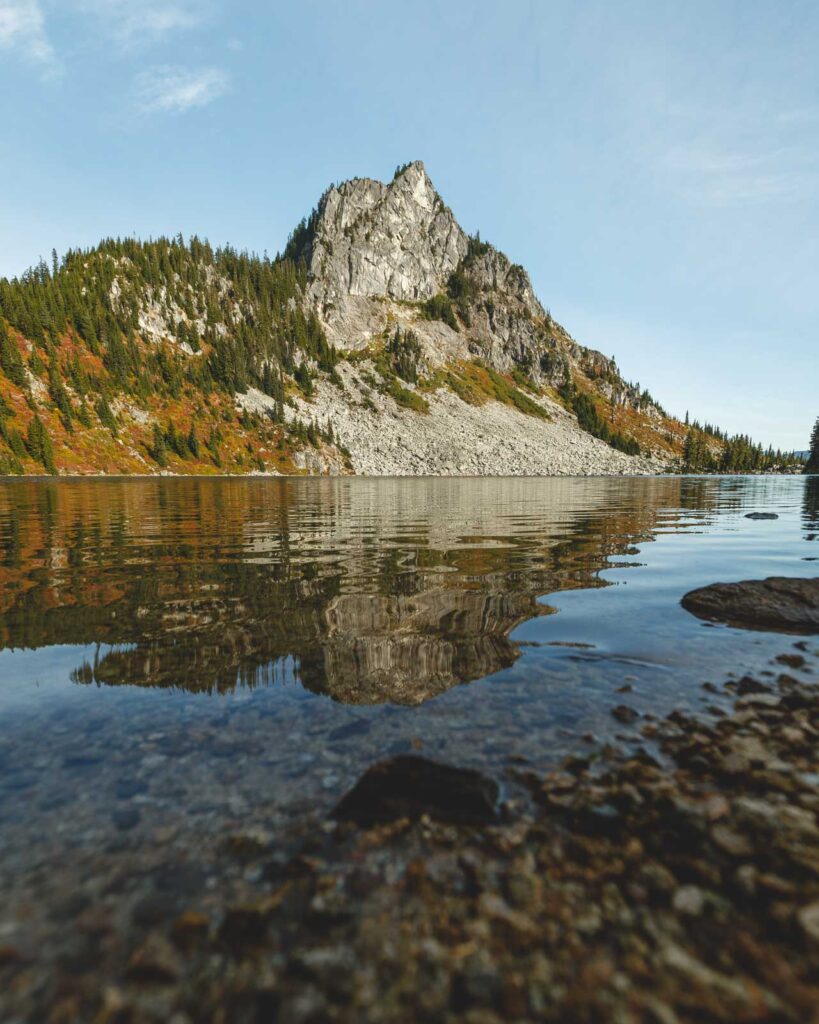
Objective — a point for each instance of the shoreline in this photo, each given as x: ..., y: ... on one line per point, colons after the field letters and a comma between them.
x: 74, y: 477
x: 671, y: 878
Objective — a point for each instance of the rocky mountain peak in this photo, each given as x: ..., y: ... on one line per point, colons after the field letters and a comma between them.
x: 366, y: 238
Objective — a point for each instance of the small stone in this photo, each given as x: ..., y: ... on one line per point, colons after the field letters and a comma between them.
x: 623, y: 713
x: 249, y: 844
x: 731, y: 842
x: 189, y: 928
x: 126, y: 818
x: 717, y: 807
x: 791, y: 660
x: 748, y: 685
x: 808, y: 918
x: 9, y: 955
x: 689, y: 900
x: 155, y: 961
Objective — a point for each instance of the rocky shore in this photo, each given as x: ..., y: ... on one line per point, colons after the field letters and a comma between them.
x: 671, y: 878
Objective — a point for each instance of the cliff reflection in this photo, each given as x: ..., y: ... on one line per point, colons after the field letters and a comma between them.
x: 373, y: 591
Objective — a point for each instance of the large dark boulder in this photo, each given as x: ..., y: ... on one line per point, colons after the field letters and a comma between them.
x: 779, y: 604
x: 408, y: 787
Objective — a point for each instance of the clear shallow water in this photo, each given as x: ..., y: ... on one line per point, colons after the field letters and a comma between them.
x: 206, y: 652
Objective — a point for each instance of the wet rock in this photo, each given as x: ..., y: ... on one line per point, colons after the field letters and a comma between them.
x: 761, y: 515
x: 731, y: 842
x: 190, y: 928
x: 155, y: 961
x: 126, y: 789
x: 246, y: 924
x: 125, y: 818
x: 351, y: 730
x: 689, y: 900
x: 778, y: 603
x: 9, y: 955
x: 409, y: 786
x: 808, y: 918
x: 479, y: 983
x: 623, y: 713
x: 248, y: 845
x: 791, y: 660
x: 748, y: 685
x: 154, y: 909
x: 332, y: 968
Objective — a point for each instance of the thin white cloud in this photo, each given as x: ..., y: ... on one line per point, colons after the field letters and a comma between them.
x: 22, y: 27
x: 718, y: 176
x: 174, y: 90
x: 137, y: 22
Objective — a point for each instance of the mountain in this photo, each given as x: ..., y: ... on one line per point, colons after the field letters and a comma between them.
x: 384, y: 340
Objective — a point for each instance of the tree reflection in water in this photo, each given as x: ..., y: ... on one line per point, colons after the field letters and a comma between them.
x: 375, y: 591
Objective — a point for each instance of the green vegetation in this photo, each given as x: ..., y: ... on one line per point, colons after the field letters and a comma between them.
x: 242, y: 312
x: 475, y: 383
x: 404, y: 351
x: 232, y: 321
x: 736, y: 454
x: 813, y: 458
x: 406, y: 398
x: 399, y: 359
x: 584, y: 407
x: 11, y: 362
x: 503, y: 391
x: 38, y: 445
x: 440, y: 307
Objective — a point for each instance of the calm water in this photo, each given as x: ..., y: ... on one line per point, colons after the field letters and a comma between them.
x: 199, y: 653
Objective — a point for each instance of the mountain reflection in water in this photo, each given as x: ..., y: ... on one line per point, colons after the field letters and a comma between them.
x: 372, y: 591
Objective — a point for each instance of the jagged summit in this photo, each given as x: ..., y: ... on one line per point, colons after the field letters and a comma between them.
x: 400, y: 242
x: 367, y: 238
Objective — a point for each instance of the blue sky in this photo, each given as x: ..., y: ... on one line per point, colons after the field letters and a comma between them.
x: 655, y: 166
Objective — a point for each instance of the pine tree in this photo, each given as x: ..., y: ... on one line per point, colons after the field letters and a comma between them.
x: 157, y: 450
x: 106, y: 415
x: 193, y: 442
x: 11, y: 362
x: 813, y: 457
x: 39, y: 445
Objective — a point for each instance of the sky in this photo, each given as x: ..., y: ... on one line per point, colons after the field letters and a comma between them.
x: 653, y: 165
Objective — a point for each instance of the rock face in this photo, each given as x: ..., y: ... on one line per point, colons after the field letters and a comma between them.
x: 372, y: 248
x: 777, y: 603
x: 369, y: 239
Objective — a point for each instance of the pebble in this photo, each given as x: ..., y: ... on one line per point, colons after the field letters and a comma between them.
x: 689, y: 900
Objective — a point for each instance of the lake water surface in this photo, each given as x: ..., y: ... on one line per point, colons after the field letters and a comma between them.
x: 180, y: 658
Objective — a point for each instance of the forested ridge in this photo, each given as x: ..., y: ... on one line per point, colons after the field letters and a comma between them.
x: 128, y: 357
x: 170, y: 327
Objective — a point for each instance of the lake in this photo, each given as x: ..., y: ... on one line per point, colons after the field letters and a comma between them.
x: 184, y: 658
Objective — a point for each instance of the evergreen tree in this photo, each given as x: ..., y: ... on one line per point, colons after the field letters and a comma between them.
x: 11, y: 362
x: 39, y: 445
x: 813, y: 457
x: 193, y: 442
x: 106, y: 415
x: 157, y: 450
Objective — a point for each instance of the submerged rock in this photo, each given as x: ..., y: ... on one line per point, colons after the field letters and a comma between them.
x: 761, y: 515
x: 409, y: 786
x: 778, y: 603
